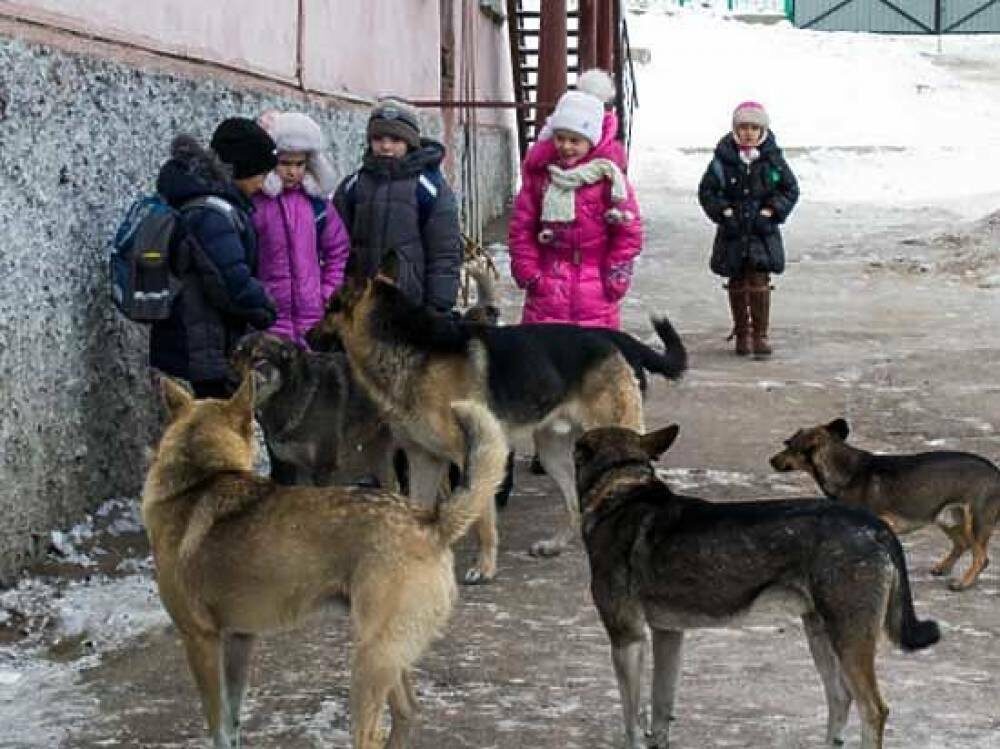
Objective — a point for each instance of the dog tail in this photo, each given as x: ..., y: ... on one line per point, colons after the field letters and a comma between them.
x: 485, y: 468
x: 671, y: 363
x: 901, y: 622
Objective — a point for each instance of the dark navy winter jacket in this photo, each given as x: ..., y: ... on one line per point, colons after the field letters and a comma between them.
x: 747, y: 236
x: 219, y: 296
x: 406, y: 205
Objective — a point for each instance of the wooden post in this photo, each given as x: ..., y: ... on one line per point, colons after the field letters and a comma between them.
x: 551, y: 57
x: 606, y: 33
x: 587, y: 34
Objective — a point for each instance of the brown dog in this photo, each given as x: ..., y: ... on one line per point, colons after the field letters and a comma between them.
x: 960, y: 491
x: 237, y: 555
x: 672, y: 563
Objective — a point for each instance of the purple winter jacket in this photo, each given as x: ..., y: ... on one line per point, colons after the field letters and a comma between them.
x: 298, y: 273
x: 580, y: 274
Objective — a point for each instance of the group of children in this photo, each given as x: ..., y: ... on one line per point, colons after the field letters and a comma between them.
x: 276, y: 250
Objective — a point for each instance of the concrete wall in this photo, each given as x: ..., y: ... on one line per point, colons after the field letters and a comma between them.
x: 83, y: 129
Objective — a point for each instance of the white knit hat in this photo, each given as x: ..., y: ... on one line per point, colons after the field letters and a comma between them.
x: 298, y: 132
x: 580, y: 113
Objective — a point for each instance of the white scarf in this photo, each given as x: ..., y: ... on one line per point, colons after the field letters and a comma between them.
x: 559, y: 201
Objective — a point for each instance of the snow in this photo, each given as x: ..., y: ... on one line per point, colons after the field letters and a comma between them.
x: 863, y: 118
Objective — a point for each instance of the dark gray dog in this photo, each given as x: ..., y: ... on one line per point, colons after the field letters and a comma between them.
x: 960, y: 491
x: 320, y: 428
x: 676, y: 563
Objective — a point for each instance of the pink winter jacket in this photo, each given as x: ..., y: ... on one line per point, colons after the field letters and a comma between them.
x: 573, y: 272
x: 299, y: 274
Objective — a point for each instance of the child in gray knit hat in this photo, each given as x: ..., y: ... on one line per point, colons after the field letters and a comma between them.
x: 399, y: 200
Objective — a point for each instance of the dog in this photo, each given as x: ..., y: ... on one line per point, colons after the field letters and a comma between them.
x: 552, y: 381
x: 959, y: 490
x: 320, y: 427
x: 237, y: 555
x: 674, y: 563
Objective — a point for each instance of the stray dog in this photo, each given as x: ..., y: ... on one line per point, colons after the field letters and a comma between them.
x: 237, y: 555
x: 675, y: 563
x: 961, y: 491
x: 551, y: 380
x: 320, y: 427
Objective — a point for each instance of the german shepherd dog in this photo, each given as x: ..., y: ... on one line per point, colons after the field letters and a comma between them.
x: 320, y: 427
x: 237, y: 555
x: 674, y: 563
x: 960, y: 491
x: 550, y: 380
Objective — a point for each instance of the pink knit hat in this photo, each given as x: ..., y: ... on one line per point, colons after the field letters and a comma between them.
x: 751, y: 113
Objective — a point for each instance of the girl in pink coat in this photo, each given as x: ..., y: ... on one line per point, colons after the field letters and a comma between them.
x: 302, y: 243
x: 575, y: 228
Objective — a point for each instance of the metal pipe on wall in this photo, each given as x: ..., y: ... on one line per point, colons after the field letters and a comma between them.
x: 551, y: 55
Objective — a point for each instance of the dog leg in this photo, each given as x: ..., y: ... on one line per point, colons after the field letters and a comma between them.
x: 838, y: 698
x: 237, y: 650
x: 403, y: 708
x: 666, y: 672
x: 204, y: 655
x: 427, y: 471
x: 959, y: 543
x: 485, y: 568
x: 372, y: 679
x: 627, y: 659
x: 980, y: 532
x: 857, y: 661
x: 555, y: 450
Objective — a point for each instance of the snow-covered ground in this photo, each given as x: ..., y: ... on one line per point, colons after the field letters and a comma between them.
x: 865, y: 118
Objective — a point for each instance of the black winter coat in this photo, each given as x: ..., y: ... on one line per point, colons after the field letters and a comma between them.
x: 219, y: 295
x: 745, y: 236
x: 406, y: 205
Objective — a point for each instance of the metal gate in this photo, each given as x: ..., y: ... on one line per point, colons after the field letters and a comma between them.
x: 899, y: 16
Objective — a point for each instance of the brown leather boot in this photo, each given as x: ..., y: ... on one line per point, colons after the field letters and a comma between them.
x: 759, y: 291
x: 739, y: 306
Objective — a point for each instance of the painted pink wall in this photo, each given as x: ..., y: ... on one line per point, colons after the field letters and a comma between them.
x: 258, y: 37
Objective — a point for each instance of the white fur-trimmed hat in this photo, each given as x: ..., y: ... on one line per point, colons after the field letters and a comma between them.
x: 298, y: 132
x: 580, y: 113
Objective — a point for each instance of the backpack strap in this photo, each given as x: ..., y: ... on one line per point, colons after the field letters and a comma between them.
x: 217, y: 204
x: 428, y: 188
x: 319, y: 214
x: 718, y: 171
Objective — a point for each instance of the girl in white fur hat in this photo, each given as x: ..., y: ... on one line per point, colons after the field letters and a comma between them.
x: 302, y: 243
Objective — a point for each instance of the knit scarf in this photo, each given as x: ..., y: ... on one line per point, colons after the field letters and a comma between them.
x: 559, y: 204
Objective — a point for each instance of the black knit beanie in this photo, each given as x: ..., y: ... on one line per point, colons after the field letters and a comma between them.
x: 245, y: 146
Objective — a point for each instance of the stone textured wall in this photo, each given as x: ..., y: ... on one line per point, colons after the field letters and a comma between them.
x: 80, y: 137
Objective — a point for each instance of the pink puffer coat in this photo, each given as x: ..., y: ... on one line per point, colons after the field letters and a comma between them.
x: 574, y: 272
x: 298, y: 273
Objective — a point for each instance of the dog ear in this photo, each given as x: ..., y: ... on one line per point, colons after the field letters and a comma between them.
x: 389, y: 267
x: 838, y: 428
x: 654, y: 444
x: 176, y: 397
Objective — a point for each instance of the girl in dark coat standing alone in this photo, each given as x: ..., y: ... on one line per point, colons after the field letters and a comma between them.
x: 748, y: 191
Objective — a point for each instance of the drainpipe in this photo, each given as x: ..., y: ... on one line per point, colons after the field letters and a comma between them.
x: 551, y: 56
x: 606, y: 33
x: 586, y: 39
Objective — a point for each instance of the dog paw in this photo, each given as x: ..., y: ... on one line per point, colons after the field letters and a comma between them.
x: 939, y: 571
x: 546, y: 548
x: 475, y: 576
x: 958, y: 585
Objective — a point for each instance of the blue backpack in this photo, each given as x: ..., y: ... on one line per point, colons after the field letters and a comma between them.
x: 141, y: 269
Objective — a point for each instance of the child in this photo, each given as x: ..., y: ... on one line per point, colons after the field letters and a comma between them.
x: 303, y: 244
x: 219, y: 297
x: 575, y: 229
x: 399, y: 200
x: 748, y: 190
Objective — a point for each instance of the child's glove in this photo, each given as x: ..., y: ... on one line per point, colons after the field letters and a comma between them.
x: 617, y: 280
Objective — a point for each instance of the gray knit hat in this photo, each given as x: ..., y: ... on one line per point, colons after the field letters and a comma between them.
x: 751, y: 113
x: 397, y: 119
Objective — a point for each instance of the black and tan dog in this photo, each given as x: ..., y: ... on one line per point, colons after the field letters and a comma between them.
x: 551, y: 381
x: 238, y: 555
x: 674, y: 563
x: 320, y: 427
x: 960, y: 491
